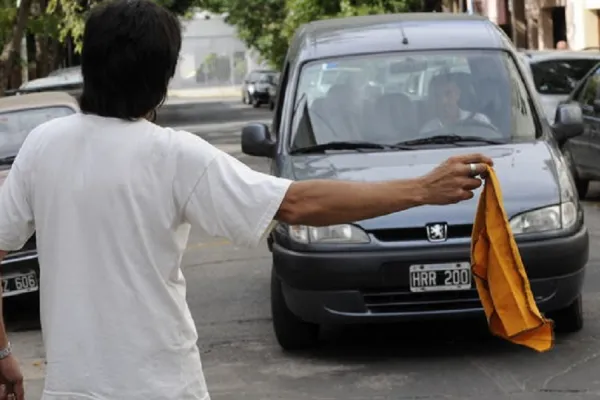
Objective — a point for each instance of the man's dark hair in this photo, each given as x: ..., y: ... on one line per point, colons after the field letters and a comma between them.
x: 130, y: 52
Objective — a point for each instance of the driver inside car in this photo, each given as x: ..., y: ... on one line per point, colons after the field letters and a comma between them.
x: 446, y: 96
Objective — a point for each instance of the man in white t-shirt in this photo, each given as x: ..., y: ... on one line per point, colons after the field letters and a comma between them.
x: 111, y: 198
x: 446, y: 96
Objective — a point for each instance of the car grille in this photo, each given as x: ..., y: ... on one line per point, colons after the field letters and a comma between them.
x: 409, y: 234
x: 404, y: 302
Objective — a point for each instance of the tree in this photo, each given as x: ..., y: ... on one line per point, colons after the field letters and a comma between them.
x: 268, y: 25
x: 74, y: 13
x: 50, y: 21
x: 12, y: 43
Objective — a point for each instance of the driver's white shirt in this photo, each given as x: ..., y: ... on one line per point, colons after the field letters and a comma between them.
x: 436, y: 123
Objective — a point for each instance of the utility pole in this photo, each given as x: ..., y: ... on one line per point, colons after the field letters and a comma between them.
x: 23, y: 54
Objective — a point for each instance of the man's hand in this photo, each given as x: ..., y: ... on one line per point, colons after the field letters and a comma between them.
x: 455, y: 179
x: 11, y: 380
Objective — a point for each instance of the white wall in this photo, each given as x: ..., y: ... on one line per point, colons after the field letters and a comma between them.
x: 582, y: 23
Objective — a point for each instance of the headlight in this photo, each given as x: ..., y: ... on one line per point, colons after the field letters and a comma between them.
x: 250, y: 88
x: 561, y: 216
x: 328, y: 234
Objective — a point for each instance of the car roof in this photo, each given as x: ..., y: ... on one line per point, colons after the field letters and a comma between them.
x: 548, y: 55
x: 384, y: 33
x: 60, y: 80
x: 66, y: 71
x: 263, y: 71
x: 36, y: 100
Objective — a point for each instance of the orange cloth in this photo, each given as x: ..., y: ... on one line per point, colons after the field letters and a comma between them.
x: 500, y: 277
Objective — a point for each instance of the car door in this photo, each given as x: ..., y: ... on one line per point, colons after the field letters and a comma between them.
x: 585, y: 148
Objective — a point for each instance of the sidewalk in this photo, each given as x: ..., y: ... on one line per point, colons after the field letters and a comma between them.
x: 30, y: 353
x: 206, y: 92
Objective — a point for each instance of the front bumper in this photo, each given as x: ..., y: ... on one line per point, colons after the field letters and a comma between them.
x: 373, y: 286
x: 262, y: 97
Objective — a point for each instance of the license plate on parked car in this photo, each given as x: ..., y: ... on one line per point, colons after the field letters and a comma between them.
x: 15, y: 284
x: 440, y: 277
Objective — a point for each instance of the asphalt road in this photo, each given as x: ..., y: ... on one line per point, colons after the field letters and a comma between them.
x: 228, y: 292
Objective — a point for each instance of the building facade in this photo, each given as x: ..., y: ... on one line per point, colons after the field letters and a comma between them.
x: 211, y: 54
x: 541, y: 24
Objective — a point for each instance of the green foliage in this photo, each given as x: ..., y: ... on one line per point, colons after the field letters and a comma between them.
x: 73, y: 15
x: 46, y: 24
x: 268, y: 25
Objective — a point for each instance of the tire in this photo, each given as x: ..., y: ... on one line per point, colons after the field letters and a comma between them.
x: 291, y: 332
x: 271, y: 105
x: 255, y: 103
x: 582, y: 187
x: 570, y: 318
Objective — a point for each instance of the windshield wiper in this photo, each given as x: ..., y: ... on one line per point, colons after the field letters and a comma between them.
x: 7, y: 160
x: 350, y: 145
x: 449, y: 139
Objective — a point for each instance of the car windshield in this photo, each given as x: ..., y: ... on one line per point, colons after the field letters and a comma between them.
x: 393, y: 98
x: 268, y: 78
x: 16, y: 125
x: 559, y: 77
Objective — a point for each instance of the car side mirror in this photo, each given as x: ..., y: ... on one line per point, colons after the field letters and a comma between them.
x: 256, y: 141
x: 568, y: 122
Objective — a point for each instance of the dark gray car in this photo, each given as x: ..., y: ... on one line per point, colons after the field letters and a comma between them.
x: 583, y: 151
x: 415, y: 264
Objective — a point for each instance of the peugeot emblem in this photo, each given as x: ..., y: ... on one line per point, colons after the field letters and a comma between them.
x: 437, y: 232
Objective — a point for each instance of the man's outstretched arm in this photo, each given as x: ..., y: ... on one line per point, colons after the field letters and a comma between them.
x: 327, y: 202
x: 233, y: 201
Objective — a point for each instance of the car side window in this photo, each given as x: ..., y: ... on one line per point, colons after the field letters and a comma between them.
x: 590, y: 90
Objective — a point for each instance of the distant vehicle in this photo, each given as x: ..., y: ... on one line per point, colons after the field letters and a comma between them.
x: 255, y: 89
x: 18, y: 116
x: 582, y: 152
x: 66, y: 71
x: 556, y: 73
x: 67, y: 80
x: 463, y: 94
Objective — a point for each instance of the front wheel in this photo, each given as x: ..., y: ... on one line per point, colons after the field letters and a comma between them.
x: 291, y: 332
x: 582, y: 186
x: 570, y: 318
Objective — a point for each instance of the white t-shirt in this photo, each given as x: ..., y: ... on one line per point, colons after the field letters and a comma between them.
x: 436, y: 123
x: 112, y: 203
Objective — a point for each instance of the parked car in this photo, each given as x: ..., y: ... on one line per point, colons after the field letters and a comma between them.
x: 404, y: 266
x: 555, y: 74
x: 255, y: 89
x: 69, y: 80
x: 18, y: 116
x: 582, y: 152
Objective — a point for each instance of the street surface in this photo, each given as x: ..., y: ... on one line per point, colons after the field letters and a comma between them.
x: 228, y: 292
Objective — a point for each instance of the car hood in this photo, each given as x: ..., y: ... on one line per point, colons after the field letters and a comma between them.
x: 526, y: 171
x: 549, y: 104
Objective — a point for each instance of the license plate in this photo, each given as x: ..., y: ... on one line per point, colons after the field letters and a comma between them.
x: 13, y: 285
x: 440, y: 277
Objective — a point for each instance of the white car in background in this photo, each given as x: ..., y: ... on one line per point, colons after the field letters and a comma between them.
x: 555, y: 73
